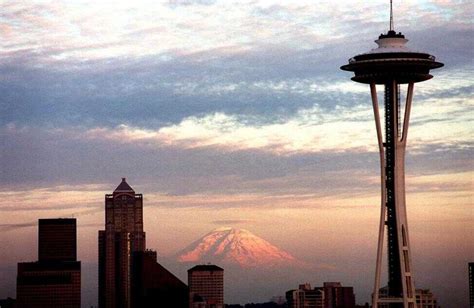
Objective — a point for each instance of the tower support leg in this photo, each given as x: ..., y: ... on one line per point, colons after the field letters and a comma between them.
x: 393, y: 218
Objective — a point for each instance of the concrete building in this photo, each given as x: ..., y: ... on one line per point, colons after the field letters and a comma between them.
x: 54, y: 280
x: 337, y: 296
x: 123, y: 236
x: 331, y: 295
x: 425, y: 299
x: 305, y: 297
x: 206, y: 286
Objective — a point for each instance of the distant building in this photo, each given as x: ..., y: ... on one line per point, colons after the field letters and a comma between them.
x: 7, y: 303
x: 206, y: 286
x: 424, y: 298
x: 54, y: 280
x: 153, y: 285
x: 331, y: 295
x: 305, y: 297
x: 123, y: 236
x: 279, y: 300
x: 471, y: 284
x: 337, y: 296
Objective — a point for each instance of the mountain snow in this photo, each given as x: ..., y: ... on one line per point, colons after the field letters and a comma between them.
x: 235, y: 246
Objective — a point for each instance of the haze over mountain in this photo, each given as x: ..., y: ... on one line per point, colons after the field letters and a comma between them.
x: 231, y: 246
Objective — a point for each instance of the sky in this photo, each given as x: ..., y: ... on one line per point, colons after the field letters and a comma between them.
x: 233, y: 113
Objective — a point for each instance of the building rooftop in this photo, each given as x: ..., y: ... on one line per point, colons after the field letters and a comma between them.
x: 205, y: 267
x: 57, y: 221
x: 124, y: 187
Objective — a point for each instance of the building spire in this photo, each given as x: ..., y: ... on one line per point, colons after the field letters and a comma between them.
x: 391, y: 16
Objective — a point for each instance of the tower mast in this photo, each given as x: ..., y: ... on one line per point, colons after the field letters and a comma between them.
x: 391, y: 17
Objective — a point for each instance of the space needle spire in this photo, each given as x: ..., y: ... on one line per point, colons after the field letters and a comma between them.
x: 390, y: 65
x: 391, y: 17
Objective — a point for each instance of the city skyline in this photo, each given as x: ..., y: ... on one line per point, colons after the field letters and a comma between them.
x: 233, y: 114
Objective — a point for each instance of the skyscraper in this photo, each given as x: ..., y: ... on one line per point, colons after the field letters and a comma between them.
x: 57, y: 240
x: 54, y: 280
x: 123, y: 235
x: 206, y: 286
x: 390, y: 65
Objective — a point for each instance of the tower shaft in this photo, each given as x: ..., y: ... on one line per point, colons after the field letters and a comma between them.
x: 391, y: 166
x: 400, y: 289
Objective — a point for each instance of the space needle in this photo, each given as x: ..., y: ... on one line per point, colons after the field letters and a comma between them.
x: 392, y: 64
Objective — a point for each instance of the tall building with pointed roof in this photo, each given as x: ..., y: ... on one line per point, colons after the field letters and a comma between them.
x: 122, y: 237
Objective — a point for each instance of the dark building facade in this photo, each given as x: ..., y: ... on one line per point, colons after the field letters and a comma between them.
x: 55, y: 279
x: 7, y: 303
x: 153, y: 285
x: 337, y: 296
x: 206, y: 286
x: 122, y: 237
x: 57, y: 240
x: 471, y: 284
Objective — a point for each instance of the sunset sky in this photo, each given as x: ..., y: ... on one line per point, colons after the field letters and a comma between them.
x: 233, y: 113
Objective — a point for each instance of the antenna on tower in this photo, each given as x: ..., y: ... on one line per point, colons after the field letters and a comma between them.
x: 391, y: 16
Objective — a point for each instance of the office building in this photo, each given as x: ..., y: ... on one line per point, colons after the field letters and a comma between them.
x: 55, y: 279
x: 206, y: 286
x: 330, y: 295
x: 305, y: 297
x: 425, y: 299
x: 57, y: 240
x: 153, y: 285
x: 122, y: 237
x: 337, y: 296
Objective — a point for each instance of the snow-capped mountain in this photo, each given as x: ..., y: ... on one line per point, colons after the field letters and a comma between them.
x: 235, y: 246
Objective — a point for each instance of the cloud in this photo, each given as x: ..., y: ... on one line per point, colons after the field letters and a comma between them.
x: 168, y: 65
x: 231, y: 222
x: 223, y: 153
x: 309, y: 131
x: 13, y: 227
x: 73, y: 200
